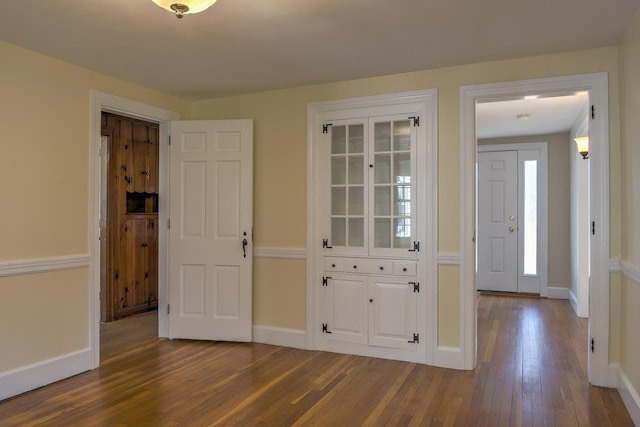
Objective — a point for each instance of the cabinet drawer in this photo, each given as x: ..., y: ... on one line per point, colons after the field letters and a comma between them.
x: 334, y: 264
x: 404, y: 268
x: 368, y: 266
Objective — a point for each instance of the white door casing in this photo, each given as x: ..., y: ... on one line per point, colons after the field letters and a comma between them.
x: 211, y: 214
x: 497, y: 221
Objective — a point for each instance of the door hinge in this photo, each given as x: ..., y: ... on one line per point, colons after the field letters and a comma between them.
x: 416, y: 338
x: 416, y: 120
x: 593, y: 345
x: 325, y: 128
x: 416, y: 247
x: 593, y: 112
x: 168, y: 308
x: 325, y: 329
x: 325, y: 244
x: 169, y: 139
x: 593, y: 228
x: 416, y: 286
x: 168, y: 223
x: 325, y: 280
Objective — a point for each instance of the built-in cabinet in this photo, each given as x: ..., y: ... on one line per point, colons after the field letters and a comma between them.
x: 130, y: 279
x: 369, y: 220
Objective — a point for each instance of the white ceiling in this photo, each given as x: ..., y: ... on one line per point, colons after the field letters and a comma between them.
x: 521, y: 117
x: 240, y: 46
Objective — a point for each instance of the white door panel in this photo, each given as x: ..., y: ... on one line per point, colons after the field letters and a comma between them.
x: 392, y: 319
x: 210, y: 272
x: 345, y: 309
x: 497, y: 222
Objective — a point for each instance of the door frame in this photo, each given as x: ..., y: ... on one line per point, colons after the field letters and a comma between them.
x: 543, y: 205
x: 596, y: 84
x: 99, y: 102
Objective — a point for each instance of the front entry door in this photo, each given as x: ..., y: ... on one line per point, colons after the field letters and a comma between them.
x: 497, y: 223
x: 210, y: 236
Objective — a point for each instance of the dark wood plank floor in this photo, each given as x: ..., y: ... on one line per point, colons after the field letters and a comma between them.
x: 531, y: 372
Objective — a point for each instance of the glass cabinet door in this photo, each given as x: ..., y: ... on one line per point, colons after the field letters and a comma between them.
x: 348, y: 185
x: 393, y: 174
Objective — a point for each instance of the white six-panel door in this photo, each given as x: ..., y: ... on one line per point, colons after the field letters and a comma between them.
x: 210, y: 236
x: 497, y: 221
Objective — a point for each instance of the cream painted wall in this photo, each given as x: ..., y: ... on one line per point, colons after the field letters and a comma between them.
x: 630, y: 211
x: 559, y: 231
x: 280, y: 151
x: 44, y: 189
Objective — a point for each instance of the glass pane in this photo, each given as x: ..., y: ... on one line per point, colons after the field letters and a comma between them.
x: 356, y: 232
x: 356, y: 138
x: 382, y: 136
x: 402, y: 235
x: 338, y: 232
x: 402, y: 200
x: 338, y: 171
x: 401, y: 136
x: 382, y: 238
x: 531, y: 217
x: 383, y: 169
x: 356, y: 200
x: 338, y: 139
x: 382, y: 201
x: 338, y: 201
x: 356, y: 169
x: 402, y: 168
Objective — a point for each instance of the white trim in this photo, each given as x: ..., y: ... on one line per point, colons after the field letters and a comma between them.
x: 100, y: 102
x: 573, y: 300
x: 448, y: 258
x: 273, y: 252
x: 448, y: 357
x: 30, y: 377
x: 557, y: 292
x: 43, y: 265
x: 632, y: 272
x: 629, y: 394
x: 597, y: 85
x: 615, y: 264
x: 294, y: 338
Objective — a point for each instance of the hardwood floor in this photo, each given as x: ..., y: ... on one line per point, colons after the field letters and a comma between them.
x: 532, y: 356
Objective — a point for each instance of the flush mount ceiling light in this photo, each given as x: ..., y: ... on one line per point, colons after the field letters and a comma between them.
x: 183, y: 7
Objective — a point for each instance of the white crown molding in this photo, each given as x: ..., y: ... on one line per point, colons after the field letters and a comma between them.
x: 43, y: 265
x: 286, y: 253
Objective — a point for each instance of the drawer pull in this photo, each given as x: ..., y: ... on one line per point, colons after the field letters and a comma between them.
x: 334, y: 266
x: 381, y: 268
x: 355, y: 266
x: 404, y: 268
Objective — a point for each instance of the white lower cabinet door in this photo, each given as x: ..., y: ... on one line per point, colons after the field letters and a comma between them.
x: 393, y: 313
x: 345, y: 309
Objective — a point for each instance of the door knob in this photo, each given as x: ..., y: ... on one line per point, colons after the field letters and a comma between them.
x: 511, y: 229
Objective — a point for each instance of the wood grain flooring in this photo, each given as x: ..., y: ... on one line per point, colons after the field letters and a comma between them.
x: 532, y: 356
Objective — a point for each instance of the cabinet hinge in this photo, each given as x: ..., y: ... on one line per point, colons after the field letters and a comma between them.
x: 416, y: 247
x: 593, y: 345
x: 168, y: 308
x: 325, y: 280
x: 325, y: 329
x: 593, y: 112
x: 593, y: 228
x: 416, y: 286
x: 325, y: 127
x: 416, y: 120
x: 325, y: 244
x: 416, y: 338
x: 168, y: 223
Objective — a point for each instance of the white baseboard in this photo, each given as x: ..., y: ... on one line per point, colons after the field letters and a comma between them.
x: 573, y: 299
x: 284, y: 337
x: 26, y: 378
x: 448, y: 357
x: 554, y: 292
x: 629, y: 395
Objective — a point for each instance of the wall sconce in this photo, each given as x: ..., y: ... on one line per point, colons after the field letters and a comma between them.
x: 583, y: 146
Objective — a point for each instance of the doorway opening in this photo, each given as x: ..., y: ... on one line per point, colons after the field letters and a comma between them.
x: 596, y: 86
